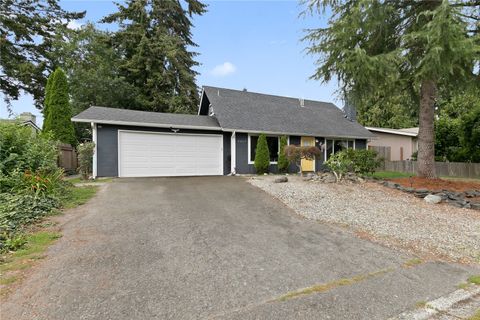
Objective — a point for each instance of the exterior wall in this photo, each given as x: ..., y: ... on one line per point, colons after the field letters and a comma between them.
x: 395, y: 142
x: 107, y: 146
x: 227, y: 157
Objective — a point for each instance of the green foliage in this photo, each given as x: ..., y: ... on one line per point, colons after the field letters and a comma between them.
x: 26, y: 34
x: 361, y: 161
x: 390, y: 175
x: 46, y: 101
x: 295, y: 154
x: 85, y: 153
x: 58, y: 109
x: 154, y: 41
x: 469, y: 131
x: 364, y: 161
x: 455, y: 137
x: 340, y: 163
x: 77, y: 196
x: 22, y: 150
x: 282, y: 162
x: 262, y: 155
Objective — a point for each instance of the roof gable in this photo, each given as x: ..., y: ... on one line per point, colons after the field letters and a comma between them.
x: 250, y: 111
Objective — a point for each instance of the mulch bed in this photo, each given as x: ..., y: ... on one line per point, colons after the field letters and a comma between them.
x: 436, y: 184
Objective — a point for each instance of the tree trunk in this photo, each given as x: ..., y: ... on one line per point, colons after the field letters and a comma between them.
x: 426, y: 136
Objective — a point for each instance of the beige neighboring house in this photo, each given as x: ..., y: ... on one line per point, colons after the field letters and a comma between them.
x: 26, y: 119
x: 402, y: 142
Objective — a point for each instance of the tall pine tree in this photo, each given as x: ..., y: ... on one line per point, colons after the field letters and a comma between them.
x: 153, y: 38
x: 58, y: 109
x: 376, y: 48
x: 46, y: 100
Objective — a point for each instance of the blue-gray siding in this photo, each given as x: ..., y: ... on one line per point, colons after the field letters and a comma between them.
x: 107, y: 146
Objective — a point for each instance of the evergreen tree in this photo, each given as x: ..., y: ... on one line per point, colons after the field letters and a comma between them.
x: 153, y: 40
x: 59, y: 111
x: 27, y: 29
x: 282, y: 159
x: 376, y: 48
x: 262, y: 155
x: 46, y: 100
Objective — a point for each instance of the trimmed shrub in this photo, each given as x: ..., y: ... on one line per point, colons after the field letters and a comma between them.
x: 282, y: 159
x: 85, y: 153
x: 262, y: 155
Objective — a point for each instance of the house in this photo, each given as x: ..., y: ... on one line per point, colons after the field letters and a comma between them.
x: 27, y: 119
x: 219, y: 140
x: 402, y: 143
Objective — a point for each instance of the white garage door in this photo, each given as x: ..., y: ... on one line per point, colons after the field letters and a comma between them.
x: 144, y: 154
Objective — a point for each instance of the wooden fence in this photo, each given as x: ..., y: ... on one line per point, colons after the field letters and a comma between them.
x: 67, y: 158
x: 447, y: 169
x: 384, y: 153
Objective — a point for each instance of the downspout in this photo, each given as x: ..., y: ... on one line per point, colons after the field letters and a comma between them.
x: 233, y: 155
x: 94, y: 160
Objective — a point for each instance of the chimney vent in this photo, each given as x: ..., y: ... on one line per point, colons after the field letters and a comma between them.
x: 302, y: 102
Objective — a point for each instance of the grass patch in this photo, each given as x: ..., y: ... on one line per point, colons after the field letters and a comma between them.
x: 80, y: 180
x: 24, y: 258
x: 78, y: 196
x: 474, y: 279
x: 390, y: 175
x: 412, y: 262
x: 476, y: 316
x: 330, y: 285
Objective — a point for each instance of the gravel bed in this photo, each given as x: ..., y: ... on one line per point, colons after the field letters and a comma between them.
x: 385, y: 215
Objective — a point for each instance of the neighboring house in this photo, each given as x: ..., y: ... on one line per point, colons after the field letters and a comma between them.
x: 26, y: 119
x: 220, y: 140
x: 402, y: 142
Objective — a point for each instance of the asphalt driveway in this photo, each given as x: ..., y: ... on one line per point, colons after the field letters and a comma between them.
x: 216, y: 247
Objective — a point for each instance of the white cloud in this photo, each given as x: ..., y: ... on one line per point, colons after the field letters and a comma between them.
x: 73, y: 24
x: 224, y: 69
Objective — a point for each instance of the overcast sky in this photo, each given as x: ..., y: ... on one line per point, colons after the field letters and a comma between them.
x: 242, y: 44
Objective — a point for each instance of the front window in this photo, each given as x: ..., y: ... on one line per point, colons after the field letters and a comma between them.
x: 334, y: 146
x: 272, y: 142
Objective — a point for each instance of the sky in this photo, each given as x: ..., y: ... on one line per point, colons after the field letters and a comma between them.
x: 242, y: 44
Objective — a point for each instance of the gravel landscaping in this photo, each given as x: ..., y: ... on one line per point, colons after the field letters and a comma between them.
x: 388, y: 216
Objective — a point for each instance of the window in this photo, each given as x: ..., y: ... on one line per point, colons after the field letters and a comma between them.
x: 273, y: 145
x: 334, y: 146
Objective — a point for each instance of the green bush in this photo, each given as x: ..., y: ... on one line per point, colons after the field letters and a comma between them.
x: 340, y: 163
x: 21, y: 149
x: 359, y: 161
x: 282, y: 159
x: 85, y: 153
x: 262, y: 155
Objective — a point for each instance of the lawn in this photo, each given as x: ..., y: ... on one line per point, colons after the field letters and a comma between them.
x: 78, y: 196
x: 391, y: 175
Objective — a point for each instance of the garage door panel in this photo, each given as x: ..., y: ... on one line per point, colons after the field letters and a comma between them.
x: 144, y: 154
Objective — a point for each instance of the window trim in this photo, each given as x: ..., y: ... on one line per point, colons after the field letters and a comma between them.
x: 333, y: 145
x: 268, y: 135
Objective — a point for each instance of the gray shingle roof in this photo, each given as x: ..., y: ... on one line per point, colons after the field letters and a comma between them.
x: 134, y: 117
x: 249, y: 111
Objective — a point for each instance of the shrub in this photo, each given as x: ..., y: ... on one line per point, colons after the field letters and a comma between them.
x: 262, y: 155
x: 85, y: 158
x: 20, y: 149
x: 282, y: 159
x: 360, y: 161
x: 364, y: 161
x: 340, y: 163
x: 295, y: 154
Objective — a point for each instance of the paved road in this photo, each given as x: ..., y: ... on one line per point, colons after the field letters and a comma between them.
x: 216, y: 247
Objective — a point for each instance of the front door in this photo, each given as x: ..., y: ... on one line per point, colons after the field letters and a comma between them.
x: 307, y: 165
